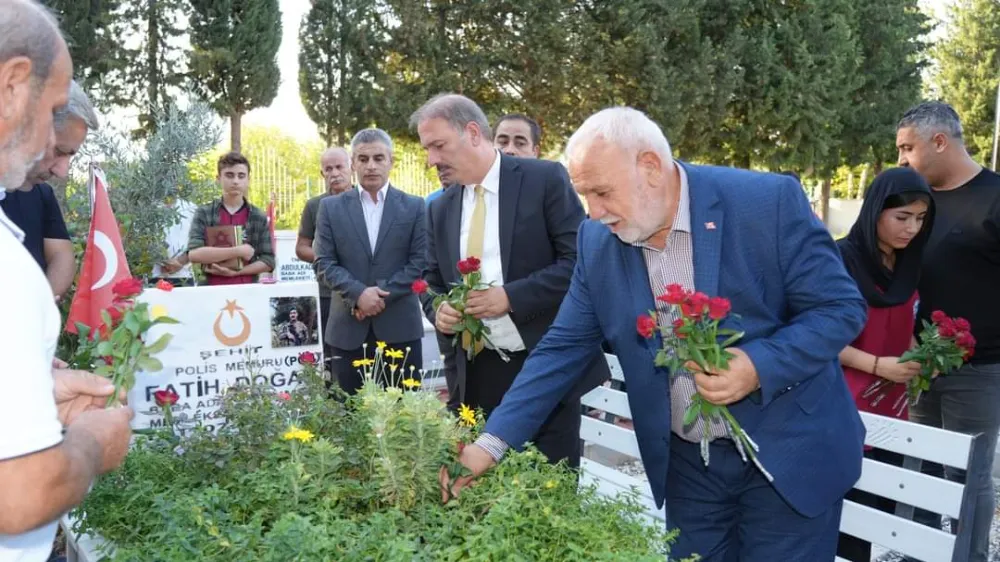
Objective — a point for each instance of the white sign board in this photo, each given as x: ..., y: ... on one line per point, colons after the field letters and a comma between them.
x: 227, y: 335
x: 289, y: 267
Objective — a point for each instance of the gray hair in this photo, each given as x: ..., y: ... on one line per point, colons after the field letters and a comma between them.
x: 624, y: 127
x: 78, y: 107
x: 371, y: 135
x: 456, y: 109
x: 932, y: 117
x: 28, y: 29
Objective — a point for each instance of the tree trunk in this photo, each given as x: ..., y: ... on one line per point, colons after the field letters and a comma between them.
x: 824, y: 202
x: 235, y: 133
x: 152, y: 46
x: 878, y: 167
x: 862, y: 184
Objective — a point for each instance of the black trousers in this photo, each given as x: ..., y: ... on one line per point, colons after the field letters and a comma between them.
x: 853, y: 548
x: 489, y: 377
x: 349, y: 377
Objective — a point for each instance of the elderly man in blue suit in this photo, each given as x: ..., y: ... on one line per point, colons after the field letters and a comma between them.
x: 750, y: 237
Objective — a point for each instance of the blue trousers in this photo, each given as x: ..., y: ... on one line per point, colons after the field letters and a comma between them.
x: 728, y: 512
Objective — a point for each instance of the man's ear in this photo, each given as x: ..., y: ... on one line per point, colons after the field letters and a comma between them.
x: 15, y: 86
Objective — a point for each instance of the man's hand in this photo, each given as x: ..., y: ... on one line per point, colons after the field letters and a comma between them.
x: 245, y: 252
x: 473, y: 457
x: 58, y: 363
x: 110, y: 429
x: 488, y: 303
x: 220, y: 270
x: 79, y: 391
x: 723, y: 387
x: 371, y: 302
x: 171, y: 266
x: 445, y: 319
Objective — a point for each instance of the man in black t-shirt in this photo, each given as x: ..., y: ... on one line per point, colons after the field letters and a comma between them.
x: 961, y: 277
x: 36, y: 211
x: 335, y: 165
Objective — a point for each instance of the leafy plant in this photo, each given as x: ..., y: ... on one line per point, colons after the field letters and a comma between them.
x: 301, y: 476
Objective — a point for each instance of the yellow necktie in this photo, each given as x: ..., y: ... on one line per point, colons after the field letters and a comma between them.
x: 477, y: 228
x: 474, y: 247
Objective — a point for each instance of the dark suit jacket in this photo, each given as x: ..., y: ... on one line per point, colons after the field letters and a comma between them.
x: 539, y: 217
x: 345, y: 261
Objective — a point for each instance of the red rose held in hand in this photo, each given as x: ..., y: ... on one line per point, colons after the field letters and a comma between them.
x: 468, y: 265
x: 965, y: 340
x: 165, y: 397
x: 645, y: 325
x: 718, y: 308
x: 678, y: 324
x: 938, y: 317
x: 419, y: 286
x: 307, y: 358
x: 127, y: 287
x: 946, y: 329
x: 675, y: 294
x: 962, y: 324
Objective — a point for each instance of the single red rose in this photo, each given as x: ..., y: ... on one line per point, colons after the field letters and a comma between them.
x: 675, y: 294
x: 965, y: 340
x: 165, y: 397
x: 678, y: 324
x: 164, y: 285
x: 127, y: 287
x: 946, y: 329
x: 962, y: 324
x: 718, y: 308
x: 645, y: 325
x: 474, y: 262
x: 284, y: 396
x: 307, y: 358
x: 938, y: 317
x: 419, y: 286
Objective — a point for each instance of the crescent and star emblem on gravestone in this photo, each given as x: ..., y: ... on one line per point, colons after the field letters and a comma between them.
x: 232, y: 341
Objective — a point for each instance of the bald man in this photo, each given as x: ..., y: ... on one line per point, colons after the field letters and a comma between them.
x: 55, y: 436
x: 335, y: 165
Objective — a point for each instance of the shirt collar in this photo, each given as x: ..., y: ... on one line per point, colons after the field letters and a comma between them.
x: 381, y: 192
x: 491, y: 182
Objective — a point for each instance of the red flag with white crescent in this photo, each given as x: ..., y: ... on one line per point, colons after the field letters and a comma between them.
x: 104, y: 261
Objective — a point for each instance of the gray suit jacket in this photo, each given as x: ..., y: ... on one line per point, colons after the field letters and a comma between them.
x: 345, y: 261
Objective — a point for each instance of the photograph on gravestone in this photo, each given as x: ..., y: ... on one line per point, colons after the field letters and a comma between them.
x: 294, y: 321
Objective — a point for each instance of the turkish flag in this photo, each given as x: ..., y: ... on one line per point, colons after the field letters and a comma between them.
x: 104, y: 261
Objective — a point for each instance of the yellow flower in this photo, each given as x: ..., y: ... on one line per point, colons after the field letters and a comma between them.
x: 411, y: 383
x: 467, y: 416
x: 393, y: 367
x: 303, y: 435
x: 380, y: 345
x: 363, y: 362
x: 157, y: 311
x: 550, y: 484
x: 394, y: 354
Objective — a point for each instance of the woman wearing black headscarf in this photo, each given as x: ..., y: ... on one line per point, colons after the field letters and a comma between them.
x: 883, y: 253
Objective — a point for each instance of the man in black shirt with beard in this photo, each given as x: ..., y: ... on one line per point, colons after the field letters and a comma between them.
x: 961, y: 277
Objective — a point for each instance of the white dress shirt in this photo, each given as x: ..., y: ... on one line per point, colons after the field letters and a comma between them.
x: 373, y: 212
x: 28, y: 334
x: 503, y: 332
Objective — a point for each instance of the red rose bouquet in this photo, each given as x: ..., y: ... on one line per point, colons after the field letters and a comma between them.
x: 694, y: 337
x: 470, y: 331
x: 943, y: 345
x: 116, y: 348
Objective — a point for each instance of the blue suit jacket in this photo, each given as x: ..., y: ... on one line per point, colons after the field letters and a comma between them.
x: 771, y: 256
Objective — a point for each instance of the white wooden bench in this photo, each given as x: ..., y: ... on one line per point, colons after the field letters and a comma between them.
x: 905, y: 485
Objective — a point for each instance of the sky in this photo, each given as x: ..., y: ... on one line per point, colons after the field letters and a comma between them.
x: 287, y: 112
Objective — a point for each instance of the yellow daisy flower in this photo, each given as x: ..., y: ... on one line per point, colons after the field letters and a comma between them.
x: 363, y: 362
x: 394, y: 354
x: 411, y: 383
x: 303, y: 435
x: 550, y: 484
x: 380, y: 345
x: 467, y: 416
x: 157, y: 311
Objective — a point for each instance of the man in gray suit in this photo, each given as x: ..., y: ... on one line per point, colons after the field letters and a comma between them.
x: 371, y: 260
